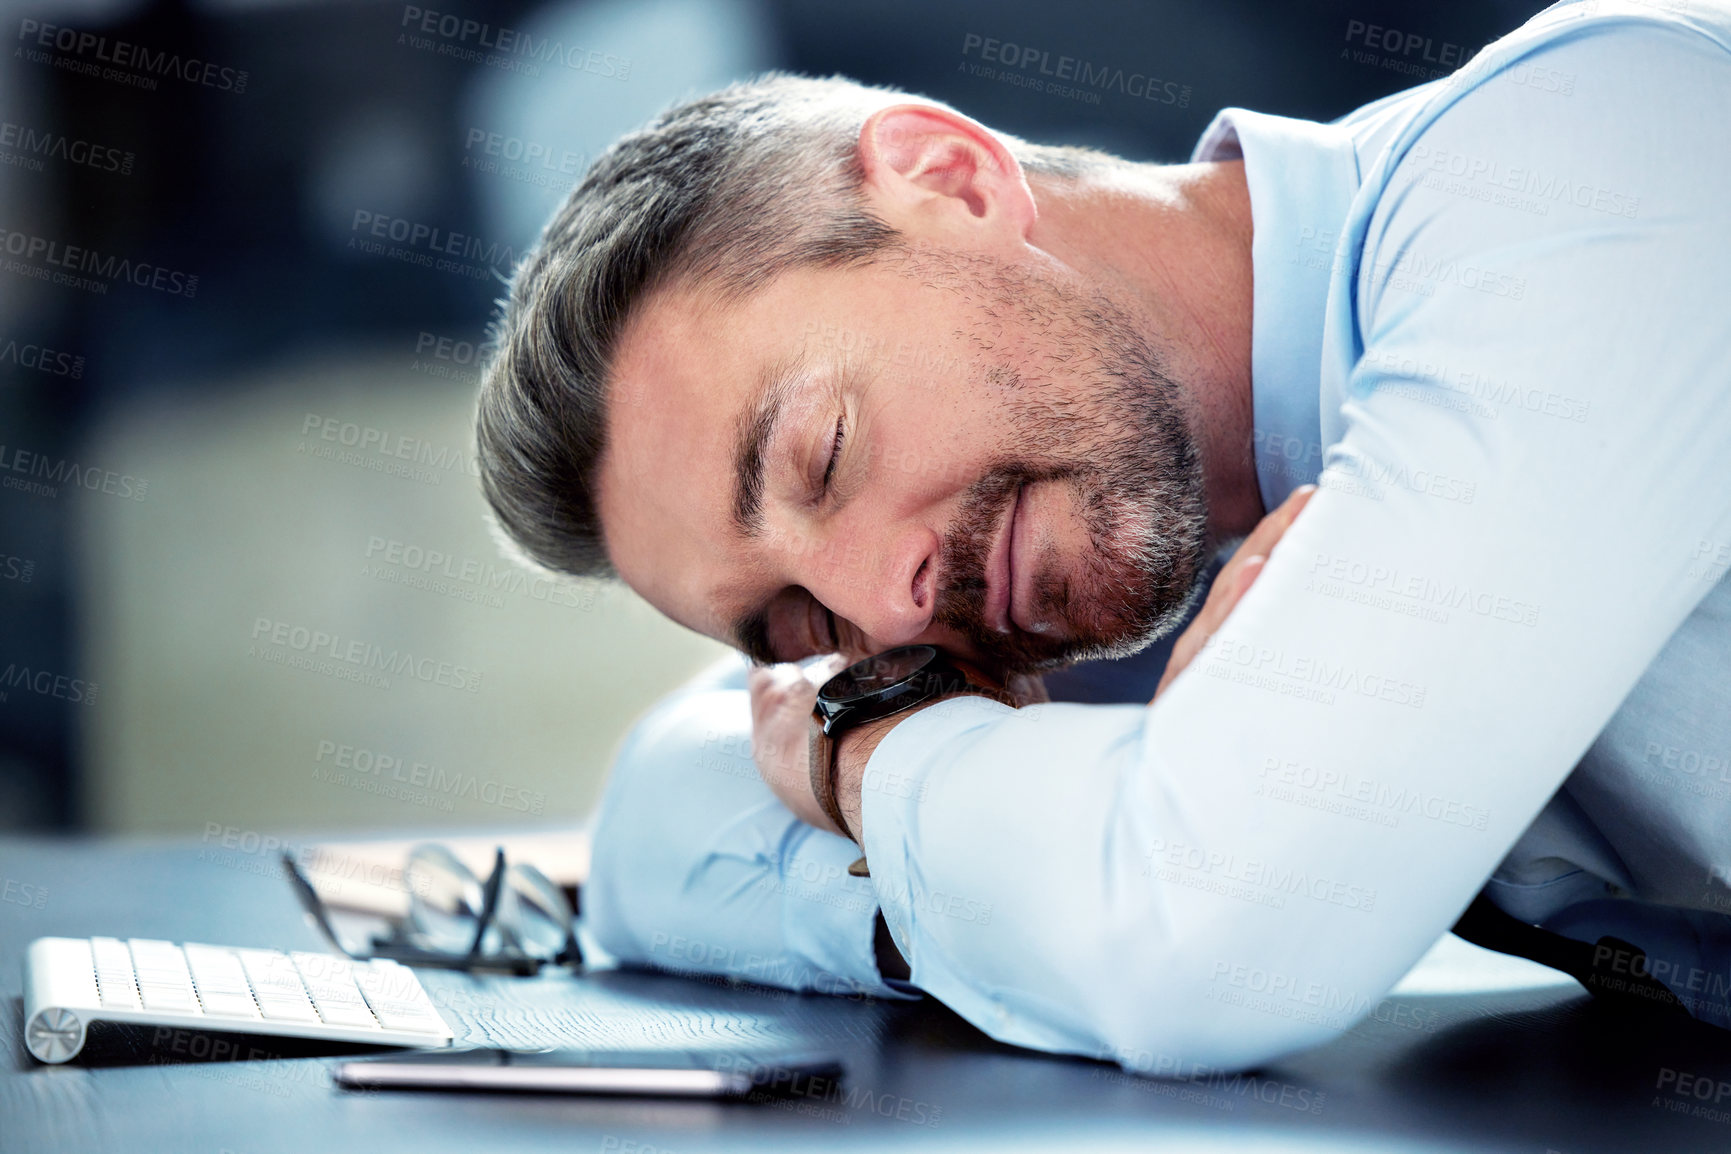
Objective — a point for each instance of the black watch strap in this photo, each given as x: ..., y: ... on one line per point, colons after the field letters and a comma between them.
x: 832, y: 720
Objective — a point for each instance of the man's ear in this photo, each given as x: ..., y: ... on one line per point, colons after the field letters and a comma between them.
x: 929, y: 170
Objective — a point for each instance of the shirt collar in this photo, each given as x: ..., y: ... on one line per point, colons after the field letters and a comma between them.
x: 1302, y: 177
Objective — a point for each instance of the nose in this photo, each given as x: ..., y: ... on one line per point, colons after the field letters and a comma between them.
x: 885, y: 585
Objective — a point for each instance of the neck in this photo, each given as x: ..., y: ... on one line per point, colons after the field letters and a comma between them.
x: 1176, y: 238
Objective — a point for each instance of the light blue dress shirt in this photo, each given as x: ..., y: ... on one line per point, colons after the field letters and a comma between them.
x: 1493, y: 322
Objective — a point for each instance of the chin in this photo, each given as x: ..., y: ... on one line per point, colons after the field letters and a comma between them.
x: 1024, y: 651
x: 1112, y: 636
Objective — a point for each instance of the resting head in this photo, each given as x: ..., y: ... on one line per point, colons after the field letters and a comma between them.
x: 815, y: 367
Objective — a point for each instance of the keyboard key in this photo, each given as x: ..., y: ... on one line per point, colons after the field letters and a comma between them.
x: 114, y: 977
x: 330, y: 981
x: 221, y: 982
x: 163, y: 980
x: 397, y: 999
x: 74, y: 969
x: 277, y: 986
x: 202, y: 987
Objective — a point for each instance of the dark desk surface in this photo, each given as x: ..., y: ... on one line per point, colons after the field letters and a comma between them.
x: 1497, y: 1065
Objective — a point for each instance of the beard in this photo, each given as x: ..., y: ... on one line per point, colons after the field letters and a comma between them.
x: 1113, y: 429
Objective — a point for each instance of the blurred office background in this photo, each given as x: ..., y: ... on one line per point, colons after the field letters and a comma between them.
x: 235, y: 401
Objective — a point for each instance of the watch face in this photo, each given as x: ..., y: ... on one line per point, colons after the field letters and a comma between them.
x: 877, y: 673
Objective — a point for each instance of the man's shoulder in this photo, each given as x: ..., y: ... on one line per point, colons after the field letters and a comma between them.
x: 1572, y: 69
x: 1574, y: 156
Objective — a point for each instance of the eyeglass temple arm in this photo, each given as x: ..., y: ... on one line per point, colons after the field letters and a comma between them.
x: 315, y: 906
x: 489, y: 900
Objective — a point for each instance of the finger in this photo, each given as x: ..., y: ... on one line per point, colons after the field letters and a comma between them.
x: 1271, y: 528
x: 1248, y: 572
x: 825, y: 668
x: 774, y: 688
x: 1223, y: 594
x: 777, y: 679
x: 1232, y: 582
x: 1229, y: 588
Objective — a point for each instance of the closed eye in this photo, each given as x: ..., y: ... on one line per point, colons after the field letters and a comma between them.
x: 834, y: 453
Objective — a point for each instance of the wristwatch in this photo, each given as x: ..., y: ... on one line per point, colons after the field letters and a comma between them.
x: 879, y: 686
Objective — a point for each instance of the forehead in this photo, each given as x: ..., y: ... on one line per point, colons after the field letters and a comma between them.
x: 680, y: 379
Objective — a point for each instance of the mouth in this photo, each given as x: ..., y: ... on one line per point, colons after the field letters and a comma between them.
x: 1000, y: 572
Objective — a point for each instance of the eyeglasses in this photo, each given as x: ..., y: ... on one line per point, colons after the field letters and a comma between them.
x: 516, y: 920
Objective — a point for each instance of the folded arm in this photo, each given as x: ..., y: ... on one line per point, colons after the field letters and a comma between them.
x: 1246, y: 867
x: 697, y: 867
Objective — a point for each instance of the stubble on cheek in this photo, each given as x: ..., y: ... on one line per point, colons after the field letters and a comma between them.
x: 1087, y: 402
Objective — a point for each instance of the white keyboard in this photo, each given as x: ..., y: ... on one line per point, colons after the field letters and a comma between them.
x: 71, y: 982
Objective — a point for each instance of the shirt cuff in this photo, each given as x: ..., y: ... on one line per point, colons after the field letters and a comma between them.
x: 829, y: 918
x: 890, y: 800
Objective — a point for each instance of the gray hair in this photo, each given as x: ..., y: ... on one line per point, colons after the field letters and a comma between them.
x: 727, y: 191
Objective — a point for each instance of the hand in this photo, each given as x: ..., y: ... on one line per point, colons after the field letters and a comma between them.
x: 1231, y: 583
x: 782, y: 699
x: 857, y: 745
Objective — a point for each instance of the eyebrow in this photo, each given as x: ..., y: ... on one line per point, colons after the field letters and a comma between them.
x: 756, y: 430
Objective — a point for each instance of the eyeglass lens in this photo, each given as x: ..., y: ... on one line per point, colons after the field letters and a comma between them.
x: 534, y: 912
x: 445, y: 899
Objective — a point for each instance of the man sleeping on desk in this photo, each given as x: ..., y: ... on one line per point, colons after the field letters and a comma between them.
x: 821, y: 369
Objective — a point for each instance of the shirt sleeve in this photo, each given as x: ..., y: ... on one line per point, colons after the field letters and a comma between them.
x: 1531, y: 457
x: 698, y: 868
